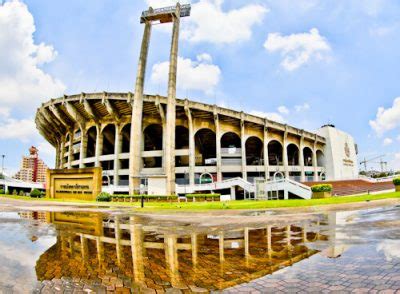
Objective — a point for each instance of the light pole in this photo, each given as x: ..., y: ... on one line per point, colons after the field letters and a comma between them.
x: 2, y: 164
x: 2, y: 172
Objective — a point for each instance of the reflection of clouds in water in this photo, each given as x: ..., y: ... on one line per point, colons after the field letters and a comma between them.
x: 18, y: 254
x: 391, y: 249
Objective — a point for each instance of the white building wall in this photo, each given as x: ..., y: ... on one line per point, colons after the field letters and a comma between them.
x: 340, y: 154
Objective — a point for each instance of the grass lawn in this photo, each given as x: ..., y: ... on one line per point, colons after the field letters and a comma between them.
x: 240, y: 204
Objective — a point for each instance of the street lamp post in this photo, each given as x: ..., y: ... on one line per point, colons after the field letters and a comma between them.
x: 2, y: 164
x: 2, y: 172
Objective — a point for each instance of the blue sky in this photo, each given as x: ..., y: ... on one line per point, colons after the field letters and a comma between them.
x: 307, y: 63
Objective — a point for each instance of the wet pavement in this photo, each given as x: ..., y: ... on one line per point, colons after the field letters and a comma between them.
x: 81, y: 252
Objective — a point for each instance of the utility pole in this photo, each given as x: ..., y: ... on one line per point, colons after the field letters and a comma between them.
x: 2, y: 172
x: 383, y: 165
x: 2, y: 164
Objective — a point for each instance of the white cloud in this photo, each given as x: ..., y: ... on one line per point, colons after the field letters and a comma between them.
x: 22, y: 81
x: 208, y: 22
x: 21, y: 129
x: 391, y: 249
x: 46, y: 149
x: 373, y: 7
x: 300, y: 6
x: 283, y: 110
x: 204, y: 57
x: 387, y: 119
x: 387, y: 141
x: 46, y: 152
x: 298, y: 49
x: 302, y: 107
x: 4, y: 112
x: 395, y: 163
x: 199, y: 75
x: 274, y: 116
x: 382, y: 31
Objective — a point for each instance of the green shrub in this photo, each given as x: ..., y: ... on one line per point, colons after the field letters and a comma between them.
x: 203, y: 195
x: 2, y: 191
x: 21, y: 193
x: 103, y: 197
x: 322, y: 188
x: 8, y: 192
x: 35, y: 193
x: 396, y: 181
x: 15, y: 192
x: 146, y: 197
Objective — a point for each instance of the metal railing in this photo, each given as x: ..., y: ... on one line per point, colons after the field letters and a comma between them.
x: 378, y: 180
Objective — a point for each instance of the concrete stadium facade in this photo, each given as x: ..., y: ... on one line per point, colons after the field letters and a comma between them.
x: 95, y: 130
x: 164, y: 143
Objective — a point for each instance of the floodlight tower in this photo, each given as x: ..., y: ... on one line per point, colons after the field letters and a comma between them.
x: 161, y: 15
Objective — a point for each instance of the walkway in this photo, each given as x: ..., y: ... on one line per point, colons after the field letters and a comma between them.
x: 319, y: 274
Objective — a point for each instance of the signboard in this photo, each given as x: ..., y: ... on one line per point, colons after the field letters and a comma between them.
x: 210, y: 161
x: 87, y: 222
x: 80, y: 184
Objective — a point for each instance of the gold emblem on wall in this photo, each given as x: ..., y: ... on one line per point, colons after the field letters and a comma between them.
x: 347, y: 149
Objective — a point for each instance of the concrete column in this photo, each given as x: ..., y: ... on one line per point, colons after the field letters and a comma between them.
x: 315, y: 163
x: 266, y: 155
x: 164, y: 142
x: 288, y: 236
x: 82, y: 153
x: 243, y: 143
x: 192, y: 149
x: 301, y: 160
x: 221, y: 247
x: 285, y: 156
x: 194, y: 244
x: 62, y: 153
x: 304, y: 233
x: 70, y: 150
x: 99, y: 146
x: 171, y: 106
x: 100, y: 250
x: 117, y: 152
x: 58, y: 154
x: 71, y: 245
x: 246, y: 242
x: 233, y: 193
x: 171, y: 256
x: 269, y: 238
x: 218, y: 146
x: 135, y: 154
x: 118, y: 245
x: 138, y: 250
x: 84, y: 248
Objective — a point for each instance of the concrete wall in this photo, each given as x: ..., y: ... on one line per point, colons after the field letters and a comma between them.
x: 340, y: 154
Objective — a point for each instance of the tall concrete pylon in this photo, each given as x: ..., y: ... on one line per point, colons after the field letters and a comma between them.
x: 135, y: 154
x: 171, y: 106
x: 163, y: 15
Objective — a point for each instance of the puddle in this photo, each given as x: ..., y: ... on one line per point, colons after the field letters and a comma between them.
x: 260, y: 213
x: 67, y: 251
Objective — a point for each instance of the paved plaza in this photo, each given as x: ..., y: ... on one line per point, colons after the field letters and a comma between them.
x: 358, y: 270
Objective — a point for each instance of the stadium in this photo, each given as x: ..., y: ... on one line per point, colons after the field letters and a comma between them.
x: 162, y: 145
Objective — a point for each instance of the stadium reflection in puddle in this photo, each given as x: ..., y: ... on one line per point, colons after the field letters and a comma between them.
x: 82, y: 251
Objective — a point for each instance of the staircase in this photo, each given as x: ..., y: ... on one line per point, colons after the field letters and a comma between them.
x: 353, y: 187
x: 225, y: 184
x: 287, y: 186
